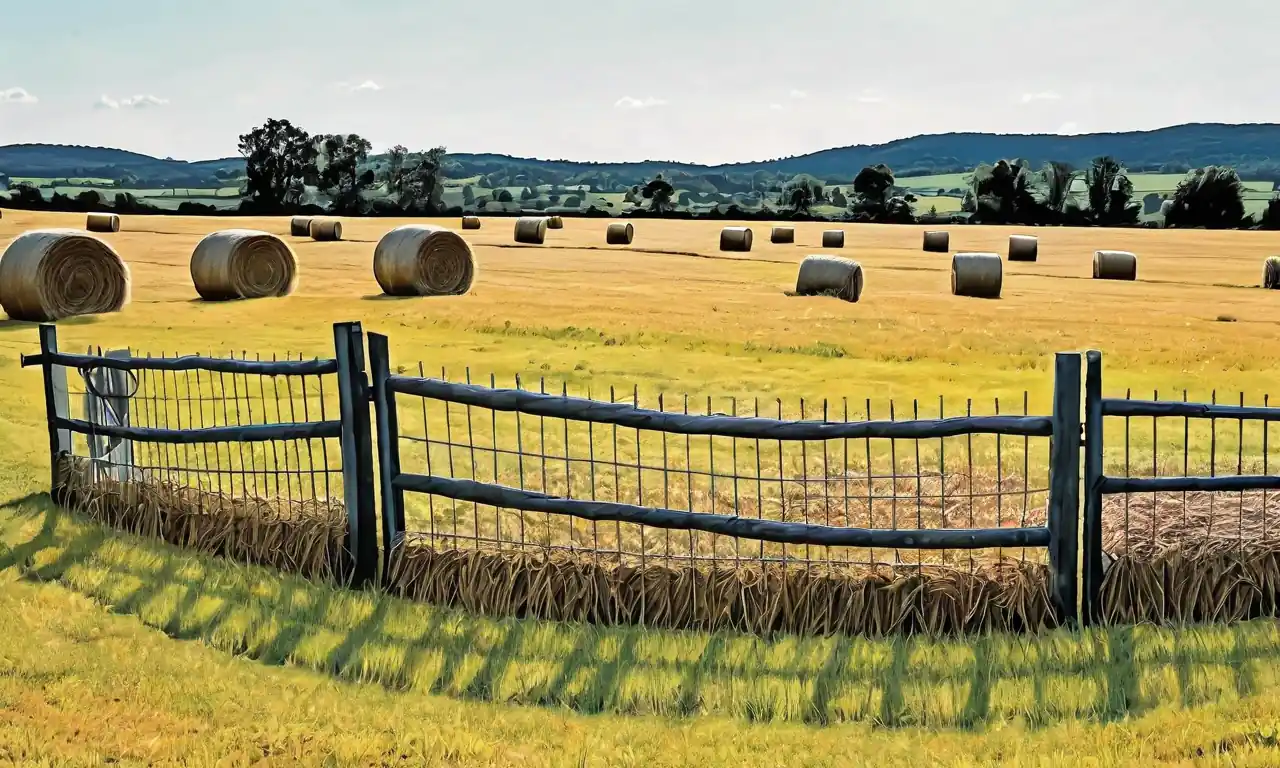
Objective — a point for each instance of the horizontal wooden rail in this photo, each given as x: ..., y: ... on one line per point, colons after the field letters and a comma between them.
x: 187, y: 363
x: 253, y: 433
x: 1109, y: 485
x: 1117, y: 407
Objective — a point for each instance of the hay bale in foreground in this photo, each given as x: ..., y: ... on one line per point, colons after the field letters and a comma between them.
x: 782, y: 235
x: 735, y: 239
x: 470, y: 222
x: 424, y: 260
x: 1023, y: 248
x: 555, y: 222
x: 243, y: 264
x: 978, y: 275
x: 326, y: 230
x: 1115, y: 265
x: 833, y: 238
x: 620, y: 233
x: 937, y: 242
x: 49, y: 274
x: 102, y: 222
x: 1271, y: 273
x: 531, y: 230
x: 300, y: 226
x: 830, y: 276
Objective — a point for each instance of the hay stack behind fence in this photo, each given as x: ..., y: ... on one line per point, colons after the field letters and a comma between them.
x: 830, y: 275
x: 937, y: 242
x: 735, y: 239
x: 833, y: 238
x: 102, y: 222
x: 1115, y: 265
x: 243, y: 264
x: 555, y: 222
x: 782, y: 235
x: 531, y: 230
x: 1271, y: 273
x: 976, y: 274
x: 424, y: 260
x: 326, y: 230
x: 620, y: 233
x: 300, y: 226
x: 470, y: 222
x: 1023, y: 248
x: 49, y: 274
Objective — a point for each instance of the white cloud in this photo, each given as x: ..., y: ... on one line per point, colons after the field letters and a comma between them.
x: 139, y: 101
x: 1027, y: 98
x: 796, y: 93
x: 368, y: 86
x: 17, y: 96
x: 776, y: 107
x: 630, y: 102
x: 1068, y: 129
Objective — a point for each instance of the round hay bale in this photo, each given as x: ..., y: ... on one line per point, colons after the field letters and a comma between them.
x: 830, y: 275
x: 620, y: 233
x: 833, y: 238
x: 1023, y: 248
x: 782, y: 235
x: 1115, y: 265
x: 976, y: 274
x: 49, y: 274
x: 937, y: 242
x: 243, y: 264
x: 102, y: 222
x: 555, y: 222
x: 735, y: 239
x: 470, y: 222
x: 300, y: 226
x: 1271, y: 273
x: 326, y: 230
x: 423, y: 260
x: 531, y: 230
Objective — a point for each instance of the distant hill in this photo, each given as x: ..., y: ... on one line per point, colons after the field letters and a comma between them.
x: 63, y: 161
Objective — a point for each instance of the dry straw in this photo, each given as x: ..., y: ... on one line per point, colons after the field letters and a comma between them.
x: 1271, y: 273
x: 300, y: 226
x: 423, y: 260
x: 830, y: 276
x: 243, y: 264
x: 470, y: 222
x: 555, y: 222
x: 1115, y: 265
x: 620, y: 233
x: 782, y: 235
x: 735, y: 239
x: 833, y: 238
x: 326, y: 230
x: 102, y: 222
x: 937, y: 242
x: 976, y: 274
x: 531, y: 230
x: 49, y: 274
x: 1023, y: 248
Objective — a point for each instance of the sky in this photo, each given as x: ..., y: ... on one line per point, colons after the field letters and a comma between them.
x: 707, y: 81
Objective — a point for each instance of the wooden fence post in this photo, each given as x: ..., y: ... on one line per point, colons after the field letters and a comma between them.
x: 1064, y: 487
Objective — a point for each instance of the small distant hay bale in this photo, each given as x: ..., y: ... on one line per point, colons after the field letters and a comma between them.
x: 978, y: 275
x: 1115, y: 265
x: 830, y: 276
x: 470, y: 222
x: 102, y: 222
x: 243, y: 264
x: 833, y: 238
x: 735, y: 239
x: 1271, y: 273
x: 326, y: 230
x: 300, y: 226
x: 49, y: 274
x: 424, y: 260
x: 1023, y: 248
x: 555, y: 222
x: 531, y: 230
x: 937, y: 242
x: 620, y: 233
x: 782, y: 235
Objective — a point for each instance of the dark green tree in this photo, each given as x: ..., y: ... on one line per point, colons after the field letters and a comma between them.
x: 340, y: 176
x: 658, y: 192
x: 276, y: 154
x: 1110, y: 193
x: 1211, y: 197
x: 872, y: 188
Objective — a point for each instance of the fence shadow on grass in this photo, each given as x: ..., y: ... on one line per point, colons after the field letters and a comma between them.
x: 965, y: 683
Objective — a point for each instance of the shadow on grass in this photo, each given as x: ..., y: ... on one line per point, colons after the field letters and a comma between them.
x: 1099, y: 675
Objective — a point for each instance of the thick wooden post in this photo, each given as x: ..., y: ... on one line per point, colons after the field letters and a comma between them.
x: 1064, y: 487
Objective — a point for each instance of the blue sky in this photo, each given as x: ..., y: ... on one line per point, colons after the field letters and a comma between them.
x: 693, y: 80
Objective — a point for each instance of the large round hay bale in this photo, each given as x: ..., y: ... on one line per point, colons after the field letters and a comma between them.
x: 1271, y: 273
x: 735, y: 239
x: 830, y: 275
x: 937, y: 242
x: 620, y: 233
x: 782, y: 235
x: 976, y: 274
x: 531, y: 230
x: 424, y: 260
x: 833, y: 238
x: 49, y: 274
x: 1115, y: 265
x: 1023, y: 248
x: 326, y: 230
x: 470, y: 222
x: 555, y: 222
x: 243, y: 264
x: 300, y: 226
x: 102, y: 222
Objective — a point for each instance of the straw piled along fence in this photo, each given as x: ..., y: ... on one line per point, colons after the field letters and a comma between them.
x: 470, y: 222
x: 102, y: 222
x: 49, y: 274
x: 977, y: 275
x: 423, y: 260
x: 937, y: 242
x: 1115, y: 265
x: 1023, y: 248
x: 531, y: 230
x: 830, y: 276
x: 620, y: 233
x: 243, y: 264
x: 326, y: 230
x: 300, y: 226
x: 782, y: 235
x: 735, y: 239
x: 833, y: 238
